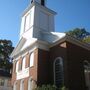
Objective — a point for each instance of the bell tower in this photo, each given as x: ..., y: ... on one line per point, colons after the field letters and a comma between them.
x: 37, y: 19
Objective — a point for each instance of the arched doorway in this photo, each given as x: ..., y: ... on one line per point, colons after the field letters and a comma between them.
x: 58, y: 72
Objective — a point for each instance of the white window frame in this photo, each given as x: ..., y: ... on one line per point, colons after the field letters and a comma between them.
x: 17, y: 66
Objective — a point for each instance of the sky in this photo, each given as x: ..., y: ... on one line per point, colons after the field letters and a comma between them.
x: 70, y: 14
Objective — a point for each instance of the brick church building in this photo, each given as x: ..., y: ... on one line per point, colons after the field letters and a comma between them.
x: 44, y: 56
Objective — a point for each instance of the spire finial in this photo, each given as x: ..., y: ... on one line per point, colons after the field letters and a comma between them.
x: 42, y: 2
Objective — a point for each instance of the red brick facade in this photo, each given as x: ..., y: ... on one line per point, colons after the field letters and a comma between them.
x: 73, y: 57
x: 43, y: 70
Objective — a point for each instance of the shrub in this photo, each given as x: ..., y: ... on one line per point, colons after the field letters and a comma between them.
x: 49, y: 87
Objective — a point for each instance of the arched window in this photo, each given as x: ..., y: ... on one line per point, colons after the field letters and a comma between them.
x: 58, y: 72
x: 87, y: 73
x: 23, y: 63
x: 32, y: 59
x: 17, y: 66
x: 22, y: 85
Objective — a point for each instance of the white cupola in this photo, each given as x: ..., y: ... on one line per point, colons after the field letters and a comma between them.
x: 37, y: 19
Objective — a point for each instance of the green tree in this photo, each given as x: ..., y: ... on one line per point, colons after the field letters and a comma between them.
x: 78, y: 33
x: 87, y: 39
x: 5, y: 50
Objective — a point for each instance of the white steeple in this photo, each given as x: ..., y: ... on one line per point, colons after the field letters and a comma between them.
x: 37, y: 19
x: 37, y: 28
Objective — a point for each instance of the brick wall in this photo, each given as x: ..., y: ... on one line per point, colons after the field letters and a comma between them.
x: 73, y: 57
x: 43, y: 69
x: 76, y: 56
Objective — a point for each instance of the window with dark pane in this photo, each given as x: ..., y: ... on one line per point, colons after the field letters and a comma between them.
x: 59, y: 75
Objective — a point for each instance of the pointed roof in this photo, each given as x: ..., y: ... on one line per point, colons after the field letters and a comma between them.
x: 23, y: 44
x: 73, y: 41
x: 47, y: 41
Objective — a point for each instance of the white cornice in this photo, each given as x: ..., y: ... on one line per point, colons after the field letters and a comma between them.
x: 38, y: 44
x: 20, y: 44
x: 46, y: 46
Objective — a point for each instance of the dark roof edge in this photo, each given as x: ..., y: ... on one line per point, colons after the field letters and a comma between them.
x: 74, y: 41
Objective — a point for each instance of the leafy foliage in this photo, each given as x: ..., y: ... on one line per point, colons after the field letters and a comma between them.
x: 87, y: 39
x: 49, y: 87
x: 5, y: 50
x: 78, y: 33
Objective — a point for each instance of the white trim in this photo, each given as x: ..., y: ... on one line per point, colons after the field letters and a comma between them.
x: 46, y: 46
x: 24, y: 54
x: 19, y: 46
x: 32, y: 59
x: 17, y: 58
x: 32, y: 50
x: 37, y: 44
x: 17, y: 66
x: 23, y: 63
x: 22, y: 74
